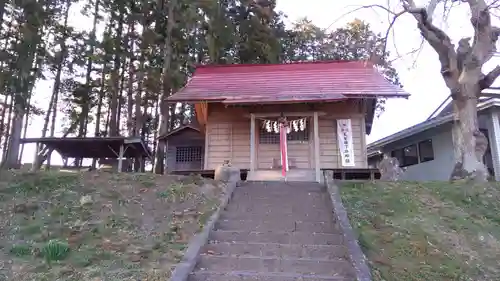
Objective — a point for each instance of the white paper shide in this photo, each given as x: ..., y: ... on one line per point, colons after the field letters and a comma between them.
x: 344, y: 134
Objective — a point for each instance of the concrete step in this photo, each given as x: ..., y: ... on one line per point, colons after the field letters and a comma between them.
x: 266, y: 193
x: 273, y: 184
x: 280, y: 188
x: 274, y: 249
x: 338, y: 267
x: 259, y: 210
x: 276, y: 225
x: 276, y: 214
x: 253, y: 276
x: 277, y: 204
x: 277, y: 237
x: 303, y: 199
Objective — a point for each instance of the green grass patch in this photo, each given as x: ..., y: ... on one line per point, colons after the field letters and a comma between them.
x: 427, y: 231
x: 36, y: 183
x: 21, y: 250
x: 88, y: 225
x: 55, y: 250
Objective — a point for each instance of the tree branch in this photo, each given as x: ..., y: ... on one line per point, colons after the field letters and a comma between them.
x: 485, y: 35
x: 438, y: 40
x: 490, y: 78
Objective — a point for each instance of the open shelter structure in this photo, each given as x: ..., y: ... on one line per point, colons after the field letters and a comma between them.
x: 119, y: 148
x: 286, y: 121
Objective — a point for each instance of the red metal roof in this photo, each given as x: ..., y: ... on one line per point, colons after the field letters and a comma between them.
x: 293, y: 82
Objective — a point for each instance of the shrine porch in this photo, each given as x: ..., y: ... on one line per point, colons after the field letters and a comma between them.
x: 237, y: 135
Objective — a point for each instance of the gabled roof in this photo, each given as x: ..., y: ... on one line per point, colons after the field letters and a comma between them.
x: 446, y: 107
x: 374, y: 147
x: 178, y: 130
x: 286, y: 83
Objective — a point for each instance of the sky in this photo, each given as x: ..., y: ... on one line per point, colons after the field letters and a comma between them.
x: 420, y: 74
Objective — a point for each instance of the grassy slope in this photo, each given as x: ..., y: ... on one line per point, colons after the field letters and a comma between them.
x: 427, y: 231
x: 98, y: 226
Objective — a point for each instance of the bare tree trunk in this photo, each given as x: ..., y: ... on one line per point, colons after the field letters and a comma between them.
x: 166, y: 86
x: 32, y: 19
x: 120, y: 94
x: 6, y: 128
x: 468, y: 142
x: 155, y: 143
x: 113, y: 121
x: 54, y: 99
x: 461, y: 71
x: 4, y: 105
x: 3, y: 114
x: 130, y: 101
x: 25, y: 126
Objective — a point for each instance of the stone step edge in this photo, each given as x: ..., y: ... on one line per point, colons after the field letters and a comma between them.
x: 213, y: 242
x: 271, y: 216
x: 276, y: 231
x: 268, y: 274
x: 286, y: 258
x: 269, y: 221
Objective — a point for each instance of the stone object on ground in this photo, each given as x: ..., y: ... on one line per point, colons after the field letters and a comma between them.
x: 85, y: 199
x: 227, y: 173
x: 25, y: 207
x: 389, y: 169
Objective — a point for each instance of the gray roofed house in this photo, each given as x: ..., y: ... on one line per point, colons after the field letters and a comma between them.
x: 426, y: 149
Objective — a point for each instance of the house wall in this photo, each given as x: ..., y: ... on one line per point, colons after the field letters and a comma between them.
x: 228, y: 136
x: 187, y: 137
x: 438, y: 169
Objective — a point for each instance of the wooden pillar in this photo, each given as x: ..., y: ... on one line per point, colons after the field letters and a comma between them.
x: 252, y: 142
x: 120, y: 158
x: 205, y: 152
x: 316, y: 147
x: 34, y: 165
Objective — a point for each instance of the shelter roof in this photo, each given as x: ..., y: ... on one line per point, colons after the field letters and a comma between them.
x: 94, y: 147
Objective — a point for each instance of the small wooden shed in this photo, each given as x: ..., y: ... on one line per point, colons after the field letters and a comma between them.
x: 185, y: 149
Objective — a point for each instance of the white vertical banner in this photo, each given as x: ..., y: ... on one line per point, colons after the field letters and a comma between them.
x: 346, y: 147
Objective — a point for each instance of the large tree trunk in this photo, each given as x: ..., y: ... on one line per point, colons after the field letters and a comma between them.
x: 166, y: 88
x: 54, y: 99
x: 27, y: 47
x: 115, y: 77
x: 468, y: 142
x: 7, y: 130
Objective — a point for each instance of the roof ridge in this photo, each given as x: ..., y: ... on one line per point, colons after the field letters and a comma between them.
x: 235, y: 65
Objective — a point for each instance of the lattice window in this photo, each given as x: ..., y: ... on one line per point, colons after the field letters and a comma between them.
x: 188, y: 154
x: 266, y: 137
x: 299, y: 135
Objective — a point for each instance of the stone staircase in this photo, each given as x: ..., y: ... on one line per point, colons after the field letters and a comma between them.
x: 275, y: 231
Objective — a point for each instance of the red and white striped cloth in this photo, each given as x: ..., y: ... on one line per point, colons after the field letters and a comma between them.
x: 283, y: 150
